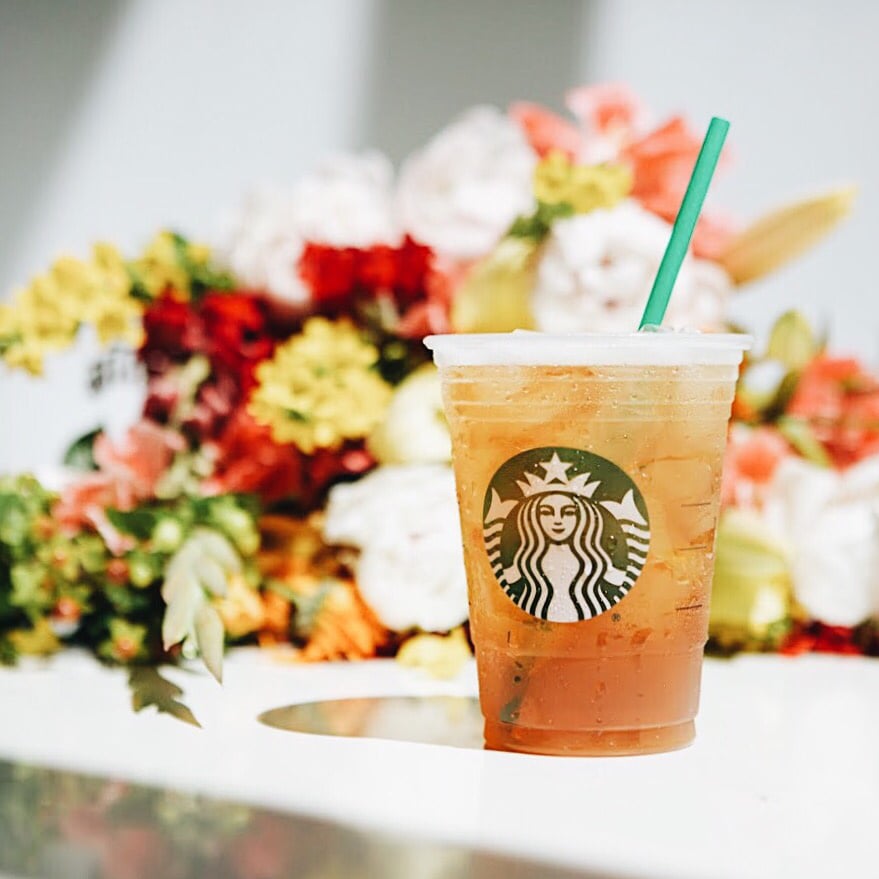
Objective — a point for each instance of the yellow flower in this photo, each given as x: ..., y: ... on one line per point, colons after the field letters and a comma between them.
x: 170, y: 261
x: 241, y: 610
x: 46, y: 315
x: 321, y: 387
x: 441, y: 656
x: 584, y: 187
x: 38, y: 641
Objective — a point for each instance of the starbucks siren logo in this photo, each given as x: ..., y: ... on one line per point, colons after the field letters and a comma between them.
x: 567, y: 533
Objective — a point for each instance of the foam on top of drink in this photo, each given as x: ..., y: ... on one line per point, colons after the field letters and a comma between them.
x: 652, y: 348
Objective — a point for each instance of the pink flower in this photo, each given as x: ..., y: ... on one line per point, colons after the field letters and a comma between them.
x: 545, y: 130
x: 135, y: 464
x: 128, y: 473
x: 750, y: 462
x: 606, y: 109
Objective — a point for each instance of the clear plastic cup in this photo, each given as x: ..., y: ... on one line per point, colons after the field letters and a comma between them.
x: 588, y: 473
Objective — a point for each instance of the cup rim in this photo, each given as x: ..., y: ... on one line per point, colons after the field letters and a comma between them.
x: 520, y: 347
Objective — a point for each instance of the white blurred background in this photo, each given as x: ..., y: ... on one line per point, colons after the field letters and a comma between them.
x: 122, y: 116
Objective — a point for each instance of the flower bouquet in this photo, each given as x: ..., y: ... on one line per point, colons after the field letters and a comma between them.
x: 798, y: 537
x: 288, y: 483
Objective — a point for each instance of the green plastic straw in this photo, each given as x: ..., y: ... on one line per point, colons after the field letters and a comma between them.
x: 685, y: 223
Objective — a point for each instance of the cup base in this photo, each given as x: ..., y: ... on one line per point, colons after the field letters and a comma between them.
x: 588, y: 743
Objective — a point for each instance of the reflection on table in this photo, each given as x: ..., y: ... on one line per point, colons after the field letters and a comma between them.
x: 62, y: 825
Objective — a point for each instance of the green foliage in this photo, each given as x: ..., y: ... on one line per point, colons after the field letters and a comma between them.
x: 198, y: 571
x: 308, y: 607
x: 202, y: 276
x: 793, y: 342
x: 57, y: 587
x: 768, y: 382
x: 138, y: 523
x: 800, y: 435
x: 751, y: 598
x: 80, y: 453
x: 150, y: 689
x: 538, y: 225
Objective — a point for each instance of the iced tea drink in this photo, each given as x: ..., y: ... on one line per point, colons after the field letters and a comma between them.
x: 588, y: 474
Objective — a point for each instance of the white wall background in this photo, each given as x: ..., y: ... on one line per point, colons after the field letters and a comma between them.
x: 121, y: 116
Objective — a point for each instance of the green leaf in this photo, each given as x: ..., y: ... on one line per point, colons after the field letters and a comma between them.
x: 201, y: 567
x: 203, y: 276
x: 792, y: 341
x: 80, y: 453
x: 149, y: 688
x: 211, y: 636
x: 538, y: 225
x: 8, y: 653
x: 138, y: 523
x: 800, y: 435
x: 28, y: 592
x: 125, y: 600
x: 14, y: 521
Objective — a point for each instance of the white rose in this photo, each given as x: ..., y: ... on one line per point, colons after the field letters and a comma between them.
x: 828, y: 521
x: 345, y: 202
x: 461, y: 192
x: 414, y: 429
x: 405, y: 522
x: 597, y: 269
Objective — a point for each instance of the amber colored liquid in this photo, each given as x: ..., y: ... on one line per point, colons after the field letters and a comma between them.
x: 626, y: 681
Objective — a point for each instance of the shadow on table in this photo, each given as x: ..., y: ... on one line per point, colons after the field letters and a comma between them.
x: 62, y: 825
x: 454, y: 721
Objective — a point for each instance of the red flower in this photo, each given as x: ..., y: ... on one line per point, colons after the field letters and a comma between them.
x: 331, y: 273
x: 414, y: 262
x: 232, y: 329
x: 662, y: 163
x: 236, y: 333
x: 820, y: 638
x: 341, y: 277
x: 171, y: 331
x: 376, y: 268
x: 840, y: 400
x: 247, y: 459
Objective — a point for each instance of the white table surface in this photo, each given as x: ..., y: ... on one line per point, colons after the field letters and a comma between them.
x: 783, y: 780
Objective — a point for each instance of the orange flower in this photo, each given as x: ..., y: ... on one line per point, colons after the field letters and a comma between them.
x: 276, y: 620
x: 338, y: 624
x: 662, y: 162
x: 840, y: 401
x: 345, y: 628
x: 546, y: 131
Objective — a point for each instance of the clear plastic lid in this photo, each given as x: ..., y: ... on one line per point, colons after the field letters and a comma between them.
x: 523, y: 348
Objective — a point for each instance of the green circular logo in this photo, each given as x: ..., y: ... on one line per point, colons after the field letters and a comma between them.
x: 567, y: 533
